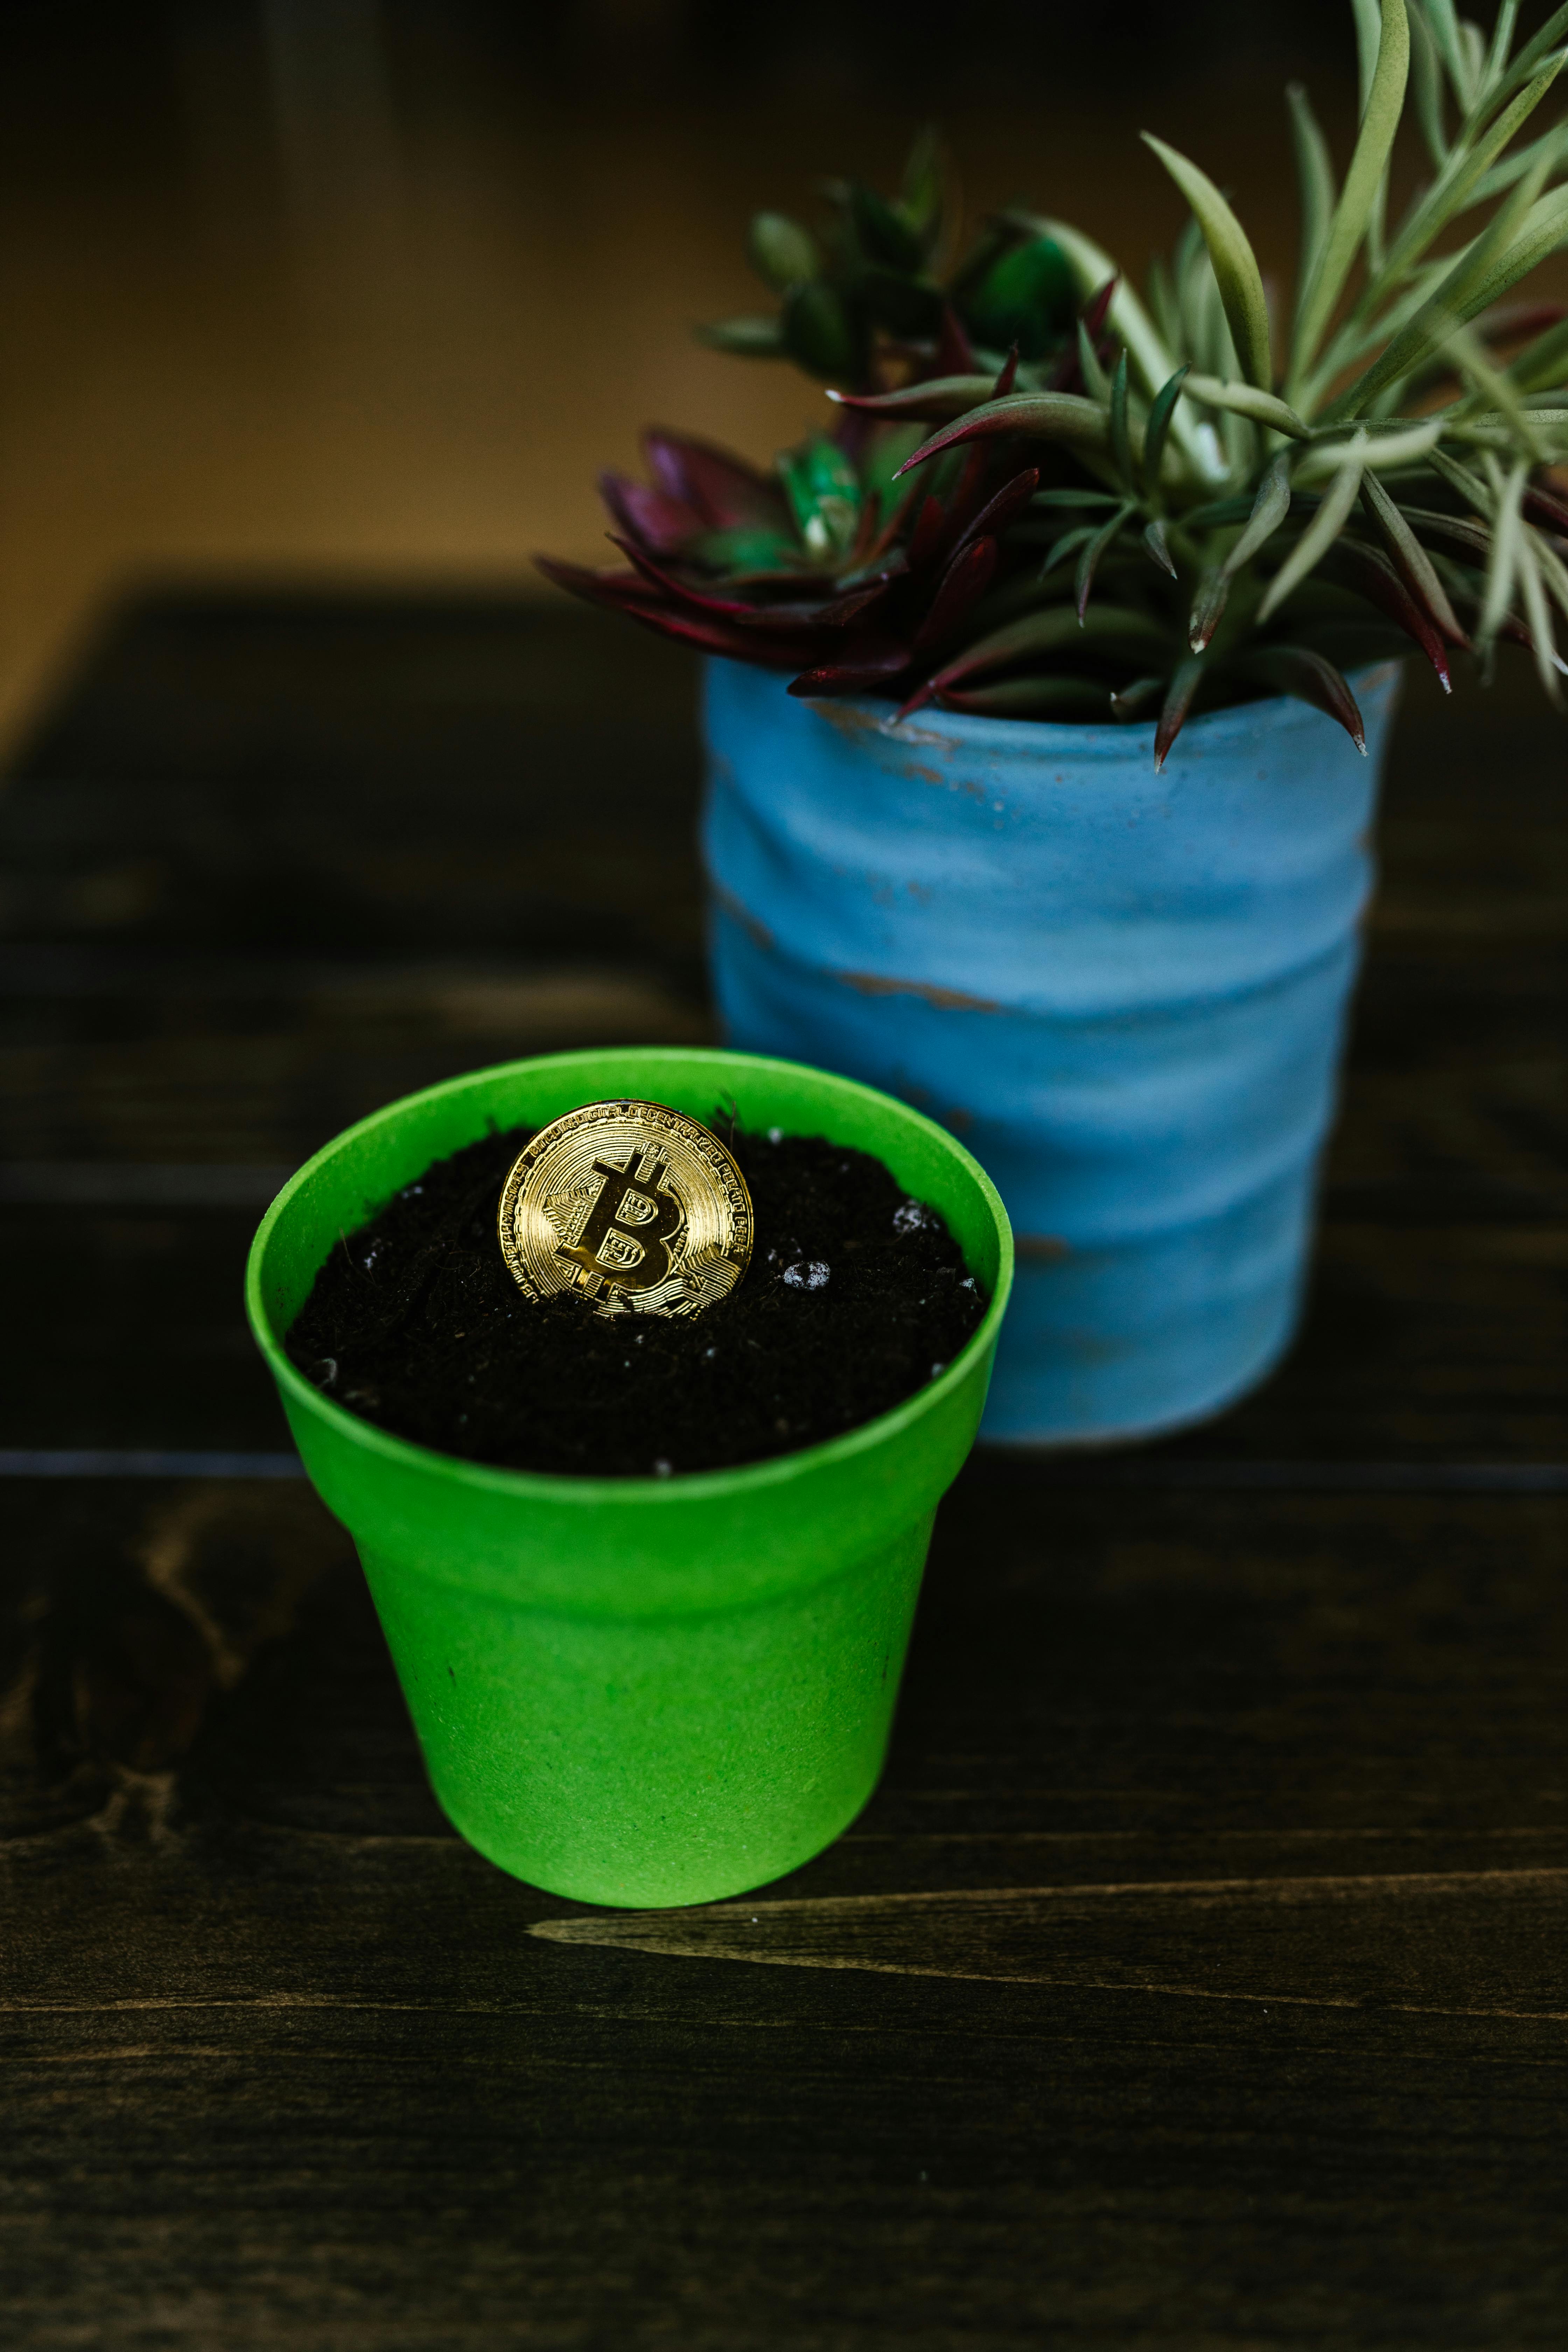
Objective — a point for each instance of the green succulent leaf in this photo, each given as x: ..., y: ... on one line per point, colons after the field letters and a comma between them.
x: 1038, y: 634
x: 924, y: 194
x: 1458, y: 59
x: 1502, y: 41
x: 885, y: 232
x: 1159, y: 427
x: 1178, y: 702
x: 1120, y: 438
x: 782, y: 252
x: 1131, y: 701
x: 1315, y: 172
x: 1410, y: 558
x: 1369, y: 43
x: 745, y: 338
x: 819, y: 332
x: 1270, y: 509
x: 1068, y: 544
x: 1158, y: 547
x: 1386, y: 451
x: 1527, y: 230
x: 1208, y: 606
x: 825, y: 496
x: 1552, y: 35
x: 1319, y: 535
x: 746, y: 547
x: 1299, y: 670
x: 1236, y: 269
x: 1245, y: 400
x: 937, y: 399
x: 1543, y: 362
x: 1089, y: 562
x: 1427, y: 74
x: 1030, y: 698
x: 904, y: 305
x: 880, y: 468
x: 1085, y: 498
x: 1038, y: 415
x: 1502, y: 568
x: 1467, y: 176
x: 1358, y: 198
x: 1097, y: 383
x: 1027, y: 297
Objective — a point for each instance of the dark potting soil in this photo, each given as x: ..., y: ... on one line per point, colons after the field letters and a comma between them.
x: 856, y: 1296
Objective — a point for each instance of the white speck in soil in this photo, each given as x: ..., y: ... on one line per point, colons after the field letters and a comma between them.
x: 663, y: 1469
x: 912, y: 1217
x: 325, y: 1372
x: 806, y: 1274
x: 775, y: 1134
x: 937, y: 1371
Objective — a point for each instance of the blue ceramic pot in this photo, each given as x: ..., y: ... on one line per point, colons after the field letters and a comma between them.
x: 1125, y: 991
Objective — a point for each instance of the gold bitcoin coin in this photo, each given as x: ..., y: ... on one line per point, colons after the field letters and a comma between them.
x: 632, y: 1207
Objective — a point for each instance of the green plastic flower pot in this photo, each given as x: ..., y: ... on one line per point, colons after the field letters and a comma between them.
x: 641, y: 1691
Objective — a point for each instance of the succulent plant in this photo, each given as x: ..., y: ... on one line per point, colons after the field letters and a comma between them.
x: 873, y: 282
x: 1177, y: 504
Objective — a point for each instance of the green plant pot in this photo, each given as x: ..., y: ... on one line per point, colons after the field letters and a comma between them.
x: 640, y: 1691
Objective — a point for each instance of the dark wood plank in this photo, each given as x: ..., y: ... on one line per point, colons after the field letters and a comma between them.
x: 281, y: 2045
x: 1195, y: 1979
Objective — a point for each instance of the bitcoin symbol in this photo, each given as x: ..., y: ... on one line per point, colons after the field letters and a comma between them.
x: 631, y: 1207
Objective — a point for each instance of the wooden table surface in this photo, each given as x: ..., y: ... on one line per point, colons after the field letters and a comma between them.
x: 1196, y: 1977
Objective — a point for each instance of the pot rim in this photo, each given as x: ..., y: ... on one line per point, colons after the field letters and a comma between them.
x: 1059, y: 738
x: 590, y: 1491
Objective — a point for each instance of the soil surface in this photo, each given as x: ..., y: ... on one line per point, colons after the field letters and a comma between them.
x: 856, y: 1296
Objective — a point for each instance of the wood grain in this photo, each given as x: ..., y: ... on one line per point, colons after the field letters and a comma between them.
x: 1195, y: 1977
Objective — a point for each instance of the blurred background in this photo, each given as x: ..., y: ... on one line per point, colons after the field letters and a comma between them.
x: 363, y: 292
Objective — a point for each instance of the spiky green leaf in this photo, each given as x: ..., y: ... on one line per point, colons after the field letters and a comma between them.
x: 1159, y: 426
x: 1178, y: 702
x: 1030, y: 698
x: 1247, y: 400
x: 1208, y: 608
x: 1385, y: 451
x: 1038, y: 415
x: 1551, y: 36
x: 1369, y: 42
x: 1508, y: 250
x: 1468, y: 177
x: 1502, y: 569
x: 1155, y: 541
x: 1236, y: 269
x: 1358, y: 197
x: 1319, y: 535
x: 1300, y: 671
x: 1090, y: 561
x: 1428, y: 75
x: 1315, y: 174
x: 1121, y: 439
x: 1270, y: 509
x: 1538, y: 613
x: 1410, y: 558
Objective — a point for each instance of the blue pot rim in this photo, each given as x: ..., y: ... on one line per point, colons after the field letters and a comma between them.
x: 1048, y: 739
